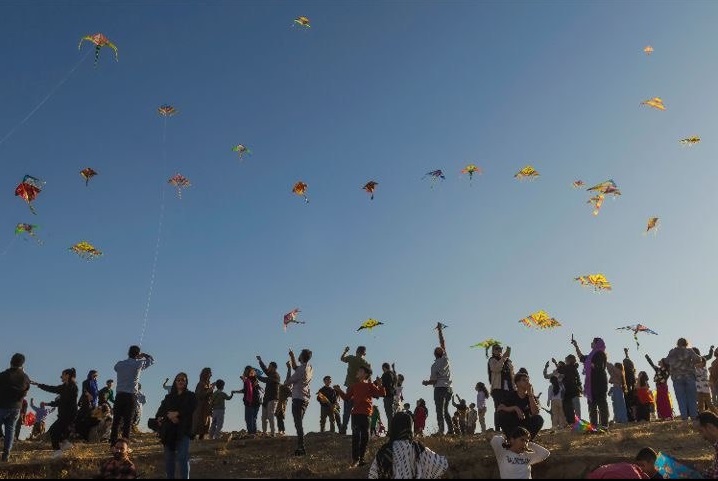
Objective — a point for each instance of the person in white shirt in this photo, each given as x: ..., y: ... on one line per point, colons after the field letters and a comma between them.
x: 441, y: 380
x: 515, y: 454
x: 301, y: 394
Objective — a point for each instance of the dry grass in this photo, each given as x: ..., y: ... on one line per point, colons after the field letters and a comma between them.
x: 573, y: 455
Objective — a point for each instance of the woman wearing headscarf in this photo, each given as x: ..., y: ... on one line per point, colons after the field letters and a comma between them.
x: 203, y: 411
x: 66, y: 404
x: 404, y: 458
x: 596, y: 384
x: 175, y: 419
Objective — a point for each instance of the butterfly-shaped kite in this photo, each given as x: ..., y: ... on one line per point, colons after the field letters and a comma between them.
x: 527, y: 172
x: 487, y: 344
x: 636, y: 328
x: 100, y: 41
x: 598, y: 281
x: 85, y: 250
x: 369, y: 324
x: 541, y: 320
x: 655, y: 102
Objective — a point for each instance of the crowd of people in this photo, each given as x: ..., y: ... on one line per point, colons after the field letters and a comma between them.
x: 112, y: 414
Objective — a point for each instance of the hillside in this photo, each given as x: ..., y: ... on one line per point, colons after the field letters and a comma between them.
x: 572, y: 455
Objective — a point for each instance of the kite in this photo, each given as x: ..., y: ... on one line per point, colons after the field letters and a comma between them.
x: 179, y: 181
x: 487, y: 344
x: 300, y: 188
x: 370, y: 187
x: 669, y: 468
x: 636, y: 328
x: 369, y: 324
x: 582, y: 426
x: 598, y: 281
x: 527, y: 172
x: 303, y: 22
x: 241, y: 150
x: 652, y: 224
x: 655, y: 102
x: 606, y: 187
x: 28, y: 189
x: 541, y: 320
x: 578, y: 183
x: 597, y: 202
x: 648, y: 50
x: 100, y: 41
x: 166, y: 110
x: 690, y: 140
x: 471, y: 169
x: 85, y: 250
x: 435, y: 175
x: 87, y: 174
x: 29, y: 229
x: 291, y: 317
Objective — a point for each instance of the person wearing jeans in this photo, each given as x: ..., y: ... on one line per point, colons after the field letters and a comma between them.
x: 175, y: 418
x: 14, y: 385
x: 299, y: 381
x: 441, y: 380
x: 353, y: 364
x: 682, y: 361
x: 128, y: 375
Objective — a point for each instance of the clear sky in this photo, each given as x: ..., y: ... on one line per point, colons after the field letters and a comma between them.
x: 383, y: 91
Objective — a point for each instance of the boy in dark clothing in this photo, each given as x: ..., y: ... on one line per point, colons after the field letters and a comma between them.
x: 327, y: 398
x: 14, y: 385
x: 572, y: 389
x: 271, y: 393
x: 388, y: 380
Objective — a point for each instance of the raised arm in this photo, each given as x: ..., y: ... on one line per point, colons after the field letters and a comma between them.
x: 292, y: 359
x: 650, y: 362
x: 546, y: 375
x: 578, y: 350
x: 708, y: 356
x: 625, y: 352
x: 343, y: 357
x: 533, y: 404
x: 442, y: 343
x: 289, y: 372
x: 261, y: 364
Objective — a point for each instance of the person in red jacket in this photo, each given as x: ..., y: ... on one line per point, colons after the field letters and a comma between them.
x: 420, y: 415
x: 361, y: 395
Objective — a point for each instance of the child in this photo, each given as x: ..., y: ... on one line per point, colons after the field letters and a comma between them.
x: 284, y: 394
x: 472, y: 418
x: 482, y: 394
x: 703, y: 387
x: 120, y: 466
x: 644, y: 398
x: 515, y: 454
x: 327, y: 398
x: 407, y: 409
x: 360, y: 394
x: 555, y: 401
x: 420, y: 415
x: 41, y: 413
x: 618, y: 392
x: 462, y: 413
x: 398, y: 390
x: 375, y: 419
x: 218, y: 399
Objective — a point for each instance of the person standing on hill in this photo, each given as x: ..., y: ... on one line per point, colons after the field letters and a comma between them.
x: 202, y: 416
x: 301, y: 394
x: 572, y: 389
x: 14, y: 385
x: 353, y: 364
x: 596, y: 385
x: 388, y: 381
x: 682, y: 361
x: 128, y: 376
x: 629, y: 370
x: 327, y: 398
x: 440, y: 378
x: 66, y: 404
x: 175, y: 418
x: 501, y: 378
x: 271, y: 393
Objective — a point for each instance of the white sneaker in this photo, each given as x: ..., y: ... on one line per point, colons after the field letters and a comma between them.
x: 56, y: 454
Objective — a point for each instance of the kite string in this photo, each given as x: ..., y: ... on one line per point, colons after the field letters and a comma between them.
x: 159, y: 239
x: 47, y: 97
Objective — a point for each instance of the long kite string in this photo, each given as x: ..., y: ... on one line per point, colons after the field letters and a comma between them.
x: 47, y: 97
x: 159, y: 238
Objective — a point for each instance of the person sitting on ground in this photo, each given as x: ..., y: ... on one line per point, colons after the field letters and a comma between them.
x: 403, y: 458
x: 519, y: 408
x: 642, y: 468
x: 516, y: 454
x: 120, y: 466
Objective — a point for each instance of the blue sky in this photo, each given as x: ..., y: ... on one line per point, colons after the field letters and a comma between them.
x: 373, y: 91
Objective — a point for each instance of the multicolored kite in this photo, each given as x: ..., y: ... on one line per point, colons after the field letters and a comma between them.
x: 690, y: 140
x: 541, y: 320
x: 435, y: 175
x: 652, y: 224
x: 291, y: 317
x: 85, y: 250
x: 655, y: 102
x: 578, y: 184
x: 300, y: 188
x: 100, y: 41
x: 87, y: 174
x: 369, y: 324
x: 648, y: 50
x: 597, y: 201
x: 179, y: 181
x: 241, y: 150
x: 636, y: 328
x: 369, y: 187
x: 303, y: 22
x: 606, y: 187
x: 582, y: 426
x: 471, y: 169
x: 598, y: 281
x: 28, y: 189
x: 527, y: 172
x: 166, y: 110
x: 29, y: 229
x: 487, y: 344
